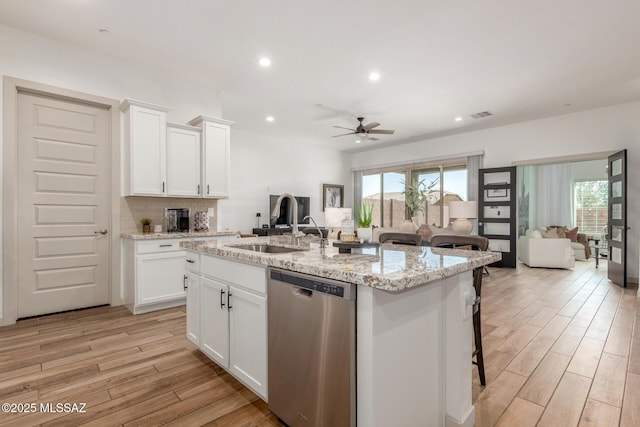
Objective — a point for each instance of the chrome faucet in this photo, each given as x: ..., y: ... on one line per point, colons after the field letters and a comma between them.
x: 294, y: 205
x: 322, y: 239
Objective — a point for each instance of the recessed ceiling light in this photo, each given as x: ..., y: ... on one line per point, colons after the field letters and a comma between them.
x: 358, y: 141
x: 104, y: 31
x: 374, y: 76
x: 264, y: 62
x: 458, y: 119
x: 270, y: 118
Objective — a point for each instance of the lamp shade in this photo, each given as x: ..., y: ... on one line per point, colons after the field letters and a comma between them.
x: 333, y: 216
x: 461, y: 209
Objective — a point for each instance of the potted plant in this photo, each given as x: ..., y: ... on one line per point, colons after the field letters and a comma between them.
x: 364, y: 215
x: 146, y: 225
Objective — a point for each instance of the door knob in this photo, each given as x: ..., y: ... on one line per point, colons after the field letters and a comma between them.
x: 101, y: 232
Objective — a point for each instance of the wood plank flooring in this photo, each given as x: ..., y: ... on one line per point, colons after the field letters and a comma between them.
x: 128, y: 370
x: 561, y: 349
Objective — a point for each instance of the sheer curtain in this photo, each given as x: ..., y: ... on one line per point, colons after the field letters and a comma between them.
x: 554, y: 195
x: 473, y: 167
x: 357, y: 189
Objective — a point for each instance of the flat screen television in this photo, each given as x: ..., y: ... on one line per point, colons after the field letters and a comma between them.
x: 286, y: 217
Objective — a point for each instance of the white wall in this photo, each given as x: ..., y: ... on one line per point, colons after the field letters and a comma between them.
x: 31, y: 57
x: 603, y: 129
x: 261, y: 166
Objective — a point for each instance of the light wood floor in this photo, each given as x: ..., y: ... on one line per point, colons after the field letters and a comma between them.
x: 129, y: 370
x: 560, y: 350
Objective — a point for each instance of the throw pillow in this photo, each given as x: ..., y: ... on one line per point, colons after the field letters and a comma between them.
x: 560, y: 229
x: 535, y: 234
x: 551, y: 233
x: 573, y: 234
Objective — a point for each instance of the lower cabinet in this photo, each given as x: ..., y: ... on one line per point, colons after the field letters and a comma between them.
x: 232, y: 310
x: 193, y: 307
x: 214, y: 320
x: 161, y: 277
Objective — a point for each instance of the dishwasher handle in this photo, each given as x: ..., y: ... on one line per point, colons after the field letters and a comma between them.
x: 302, y: 292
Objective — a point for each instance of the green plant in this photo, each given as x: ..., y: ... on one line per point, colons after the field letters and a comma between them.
x: 415, y: 195
x: 145, y: 221
x: 364, y: 215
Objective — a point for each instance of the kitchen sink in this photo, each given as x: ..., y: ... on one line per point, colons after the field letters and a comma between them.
x: 267, y: 249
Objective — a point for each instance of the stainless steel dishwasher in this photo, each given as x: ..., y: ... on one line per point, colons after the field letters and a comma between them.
x: 312, y: 327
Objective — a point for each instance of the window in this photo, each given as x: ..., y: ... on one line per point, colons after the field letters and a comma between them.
x: 591, y: 210
x: 385, y: 190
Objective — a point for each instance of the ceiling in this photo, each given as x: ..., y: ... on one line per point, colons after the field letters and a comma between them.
x: 437, y: 59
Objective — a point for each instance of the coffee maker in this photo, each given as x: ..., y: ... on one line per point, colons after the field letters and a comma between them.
x: 177, y: 220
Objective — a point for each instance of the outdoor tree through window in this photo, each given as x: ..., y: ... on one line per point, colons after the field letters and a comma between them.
x: 591, y: 211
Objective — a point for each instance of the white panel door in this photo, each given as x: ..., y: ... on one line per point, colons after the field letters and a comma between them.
x: 214, y: 320
x: 183, y: 162
x: 248, y: 339
x: 63, y: 205
x: 216, y: 148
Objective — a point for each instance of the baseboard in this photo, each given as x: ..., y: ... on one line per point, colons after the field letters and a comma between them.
x: 468, y: 421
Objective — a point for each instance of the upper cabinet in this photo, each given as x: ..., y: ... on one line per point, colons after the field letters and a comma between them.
x: 183, y: 161
x: 145, y: 148
x: 216, y: 155
x: 174, y: 160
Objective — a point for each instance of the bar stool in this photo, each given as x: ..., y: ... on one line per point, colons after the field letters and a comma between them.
x: 401, y: 238
x: 477, y: 243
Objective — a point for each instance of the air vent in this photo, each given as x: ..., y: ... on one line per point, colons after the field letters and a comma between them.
x: 482, y: 114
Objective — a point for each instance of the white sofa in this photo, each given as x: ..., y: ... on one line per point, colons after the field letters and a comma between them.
x: 536, y: 251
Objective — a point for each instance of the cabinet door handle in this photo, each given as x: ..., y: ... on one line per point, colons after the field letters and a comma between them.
x: 229, y: 307
x: 165, y: 246
x: 163, y: 186
x: 184, y: 282
x: 207, y: 188
x: 198, y: 188
x: 190, y: 261
x: 222, y: 298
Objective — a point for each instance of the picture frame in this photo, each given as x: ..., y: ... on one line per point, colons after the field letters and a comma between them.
x: 496, y: 192
x: 332, y: 196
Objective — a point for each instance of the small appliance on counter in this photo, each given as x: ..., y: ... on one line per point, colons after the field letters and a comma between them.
x: 177, y: 220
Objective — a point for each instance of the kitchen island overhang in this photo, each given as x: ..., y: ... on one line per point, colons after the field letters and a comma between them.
x: 414, y: 339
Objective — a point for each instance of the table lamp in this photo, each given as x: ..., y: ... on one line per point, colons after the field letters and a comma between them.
x: 462, y: 211
x: 333, y: 219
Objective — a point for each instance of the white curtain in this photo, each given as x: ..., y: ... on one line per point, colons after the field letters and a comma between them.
x: 554, y: 195
x: 357, y: 188
x: 474, y: 163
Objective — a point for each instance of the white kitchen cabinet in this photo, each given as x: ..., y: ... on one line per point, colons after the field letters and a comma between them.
x: 183, y: 161
x: 144, y: 155
x: 193, y: 307
x: 155, y: 273
x: 214, y: 320
x: 248, y: 338
x: 216, y: 155
x: 233, y: 319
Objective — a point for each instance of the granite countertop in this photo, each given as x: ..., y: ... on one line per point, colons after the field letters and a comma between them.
x: 192, y: 234
x: 390, y: 267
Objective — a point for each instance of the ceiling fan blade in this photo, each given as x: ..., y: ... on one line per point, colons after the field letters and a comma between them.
x: 342, y: 127
x: 344, y: 134
x: 371, y: 125
x: 382, y: 131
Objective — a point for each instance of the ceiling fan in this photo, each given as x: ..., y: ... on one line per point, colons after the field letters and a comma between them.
x: 365, y: 131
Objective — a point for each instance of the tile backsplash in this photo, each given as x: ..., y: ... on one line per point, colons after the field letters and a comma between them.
x: 132, y: 209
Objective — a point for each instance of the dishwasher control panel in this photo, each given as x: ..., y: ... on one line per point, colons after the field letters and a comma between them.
x: 320, y: 285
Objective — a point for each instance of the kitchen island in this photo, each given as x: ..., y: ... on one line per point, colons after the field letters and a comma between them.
x: 414, y: 328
